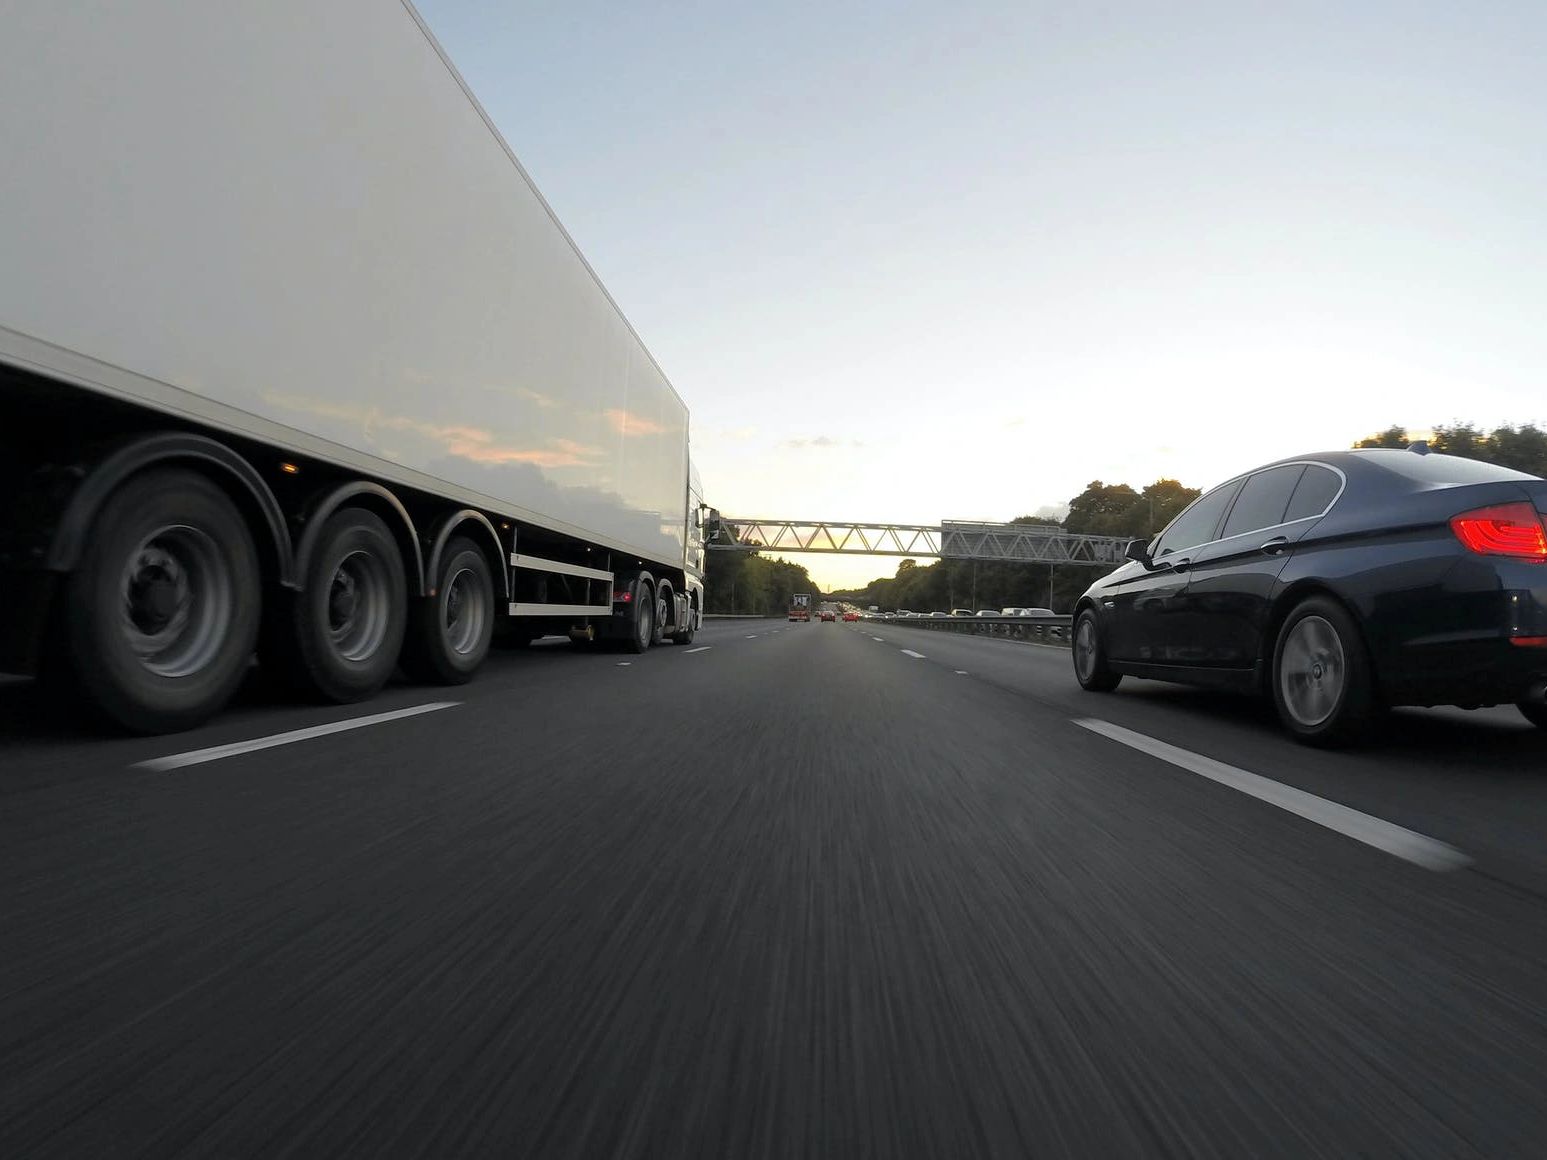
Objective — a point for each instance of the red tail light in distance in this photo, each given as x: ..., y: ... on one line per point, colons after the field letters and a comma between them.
x: 1506, y: 529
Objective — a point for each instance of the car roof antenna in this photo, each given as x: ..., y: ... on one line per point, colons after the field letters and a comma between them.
x: 1421, y: 446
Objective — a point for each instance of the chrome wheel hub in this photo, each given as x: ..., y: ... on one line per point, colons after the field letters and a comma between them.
x: 466, y: 612
x: 359, y: 604
x: 176, y: 600
x: 1085, y: 649
x: 1313, y: 670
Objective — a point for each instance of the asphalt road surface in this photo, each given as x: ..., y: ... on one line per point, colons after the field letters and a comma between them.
x: 793, y: 892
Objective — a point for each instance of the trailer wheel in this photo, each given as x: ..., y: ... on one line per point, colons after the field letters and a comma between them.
x: 449, y: 633
x: 161, y: 616
x: 642, y: 627
x: 350, y: 614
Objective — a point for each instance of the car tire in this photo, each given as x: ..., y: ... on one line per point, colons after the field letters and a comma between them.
x: 1090, y: 656
x: 449, y: 633
x: 1534, y: 712
x: 348, y: 620
x: 161, y: 617
x: 1323, y: 686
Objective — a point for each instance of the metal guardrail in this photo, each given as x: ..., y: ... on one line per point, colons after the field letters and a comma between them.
x: 1042, y: 629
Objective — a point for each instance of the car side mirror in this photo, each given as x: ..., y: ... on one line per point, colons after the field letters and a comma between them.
x: 1138, y: 551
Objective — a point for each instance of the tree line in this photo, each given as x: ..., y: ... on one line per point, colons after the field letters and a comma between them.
x: 1102, y: 509
x: 738, y: 583
x: 752, y: 583
x: 1522, y: 448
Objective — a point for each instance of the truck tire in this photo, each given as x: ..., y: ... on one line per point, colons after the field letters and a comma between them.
x: 348, y: 619
x: 449, y: 633
x: 642, y: 631
x: 686, y: 635
x: 663, y: 599
x: 160, y: 618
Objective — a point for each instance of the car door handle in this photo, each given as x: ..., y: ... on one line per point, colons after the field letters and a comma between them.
x: 1276, y: 545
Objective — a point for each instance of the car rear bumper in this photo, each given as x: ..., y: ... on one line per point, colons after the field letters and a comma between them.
x: 1488, y: 646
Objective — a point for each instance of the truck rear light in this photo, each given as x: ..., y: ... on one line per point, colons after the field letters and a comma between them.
x: 1529, y: 641
x: 1506, y: 529
x: 625, y: 597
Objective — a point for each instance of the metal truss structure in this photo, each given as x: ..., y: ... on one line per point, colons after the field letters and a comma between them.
x: 1027, y: 543
x: 952, y: 539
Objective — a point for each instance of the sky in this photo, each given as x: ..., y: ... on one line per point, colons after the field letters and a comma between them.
x: 912, y: 262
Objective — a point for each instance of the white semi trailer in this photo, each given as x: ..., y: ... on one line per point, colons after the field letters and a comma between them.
x: 295, y: 361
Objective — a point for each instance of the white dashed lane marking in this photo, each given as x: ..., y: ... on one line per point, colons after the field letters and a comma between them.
x: 216, y: 752
x: 1419, y: 849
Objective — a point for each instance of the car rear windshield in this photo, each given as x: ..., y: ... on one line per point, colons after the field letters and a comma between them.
x: 1443, y: 470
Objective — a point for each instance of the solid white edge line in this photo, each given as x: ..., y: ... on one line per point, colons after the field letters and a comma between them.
x: 1419, y: 849
x: 216, y: 752
x: 700, y: 648
x: 908, y: 652
x: 878, y: 639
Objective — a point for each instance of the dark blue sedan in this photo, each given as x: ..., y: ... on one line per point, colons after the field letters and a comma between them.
x: 1338, y: 584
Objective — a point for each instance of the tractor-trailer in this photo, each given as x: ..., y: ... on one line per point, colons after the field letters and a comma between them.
x: 297, y: 363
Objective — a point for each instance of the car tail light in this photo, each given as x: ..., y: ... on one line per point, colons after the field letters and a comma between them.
x: 1506, y: 529
x: 1529, y: 641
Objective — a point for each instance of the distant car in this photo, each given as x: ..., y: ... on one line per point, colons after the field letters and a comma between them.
x: 961, y: 612
x: 1338, y: 584
x: 940, y: 615
x: 850, y: 616
x: 902, y: 614
x: 987, y: 612
x: 829, y: 615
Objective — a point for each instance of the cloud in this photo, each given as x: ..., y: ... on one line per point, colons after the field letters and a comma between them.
x: 537, y: 397
x: 479, y: 447
x: 820, y: 441
x: 471, y: 443
x: 728, y: 434
x: 632, y: 426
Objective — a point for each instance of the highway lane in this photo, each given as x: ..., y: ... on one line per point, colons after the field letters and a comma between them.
x: 1475, y: 779
x: 799, y: 893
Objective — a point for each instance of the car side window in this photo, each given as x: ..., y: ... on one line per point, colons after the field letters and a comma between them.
x: 1196, y: 525
x: 1316, y: 490
x: 1263, y: 499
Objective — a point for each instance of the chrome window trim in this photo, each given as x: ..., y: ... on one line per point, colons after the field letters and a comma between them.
x: 1342, y: 487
